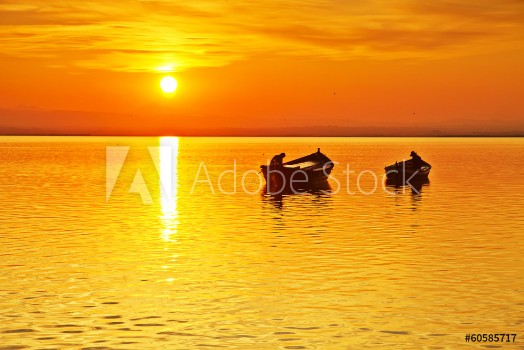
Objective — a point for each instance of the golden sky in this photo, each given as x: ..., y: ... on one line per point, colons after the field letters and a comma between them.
x: 94, y: 66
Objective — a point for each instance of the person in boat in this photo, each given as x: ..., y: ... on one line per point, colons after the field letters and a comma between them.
x: 416, y: 160
x: 277, y: 162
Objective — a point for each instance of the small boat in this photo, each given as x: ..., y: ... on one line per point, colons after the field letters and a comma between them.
x: 404, y: 170
x: 298, y: 174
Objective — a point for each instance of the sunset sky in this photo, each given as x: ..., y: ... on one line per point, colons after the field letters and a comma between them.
x: 261, y: 67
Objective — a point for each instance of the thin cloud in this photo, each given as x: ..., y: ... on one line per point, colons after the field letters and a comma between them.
x: 504, y: 11
x: 146, y: 35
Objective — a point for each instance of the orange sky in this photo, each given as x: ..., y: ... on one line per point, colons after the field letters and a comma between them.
x: 262, y: 67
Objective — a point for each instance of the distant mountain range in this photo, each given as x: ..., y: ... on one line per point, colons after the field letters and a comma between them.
x: 342, y: 131
x: 43, y: 122
x: 319, y: 131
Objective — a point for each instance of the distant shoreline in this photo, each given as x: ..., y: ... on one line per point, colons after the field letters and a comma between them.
x: 516, y: 130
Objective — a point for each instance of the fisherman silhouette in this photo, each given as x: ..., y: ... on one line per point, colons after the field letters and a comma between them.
x: 416, y: 160
x: 277, y: 162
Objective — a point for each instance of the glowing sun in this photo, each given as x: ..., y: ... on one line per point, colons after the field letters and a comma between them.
x: 168, y: 84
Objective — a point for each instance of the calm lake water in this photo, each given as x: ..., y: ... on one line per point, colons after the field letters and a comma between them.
x: 88, y: 264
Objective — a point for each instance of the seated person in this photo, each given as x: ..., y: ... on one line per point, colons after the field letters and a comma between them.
x: 416, y: 160
x: 277, y: 161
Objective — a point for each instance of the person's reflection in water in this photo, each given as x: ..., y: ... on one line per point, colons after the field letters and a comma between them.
x: 416, y: 193
x: 276, y: 200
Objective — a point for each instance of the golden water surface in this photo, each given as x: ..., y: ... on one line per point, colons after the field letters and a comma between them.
x: 132, y: 243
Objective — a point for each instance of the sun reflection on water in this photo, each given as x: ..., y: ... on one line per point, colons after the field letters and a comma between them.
x: 168, y: 173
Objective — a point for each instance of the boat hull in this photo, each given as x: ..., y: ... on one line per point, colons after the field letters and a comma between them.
x: 406, y: 172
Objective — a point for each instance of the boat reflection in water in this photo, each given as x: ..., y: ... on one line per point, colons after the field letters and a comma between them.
x: 398, y: 184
